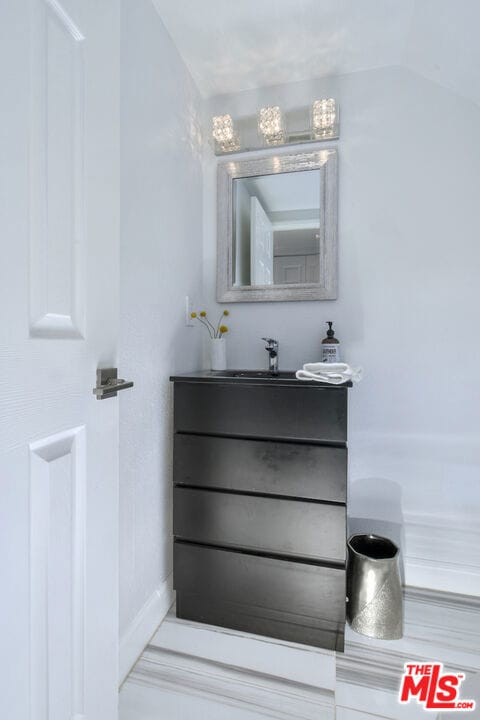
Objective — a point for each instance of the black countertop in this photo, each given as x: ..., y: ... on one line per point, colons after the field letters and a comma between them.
x: 284, y: 377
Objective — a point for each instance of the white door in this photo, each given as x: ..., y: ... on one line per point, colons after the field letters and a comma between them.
x: 261, y: 245
x: 289, y: 269
x: 58, y: 321
x: 312, y: 268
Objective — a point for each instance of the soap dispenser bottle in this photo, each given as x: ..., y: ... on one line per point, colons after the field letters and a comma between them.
x: 330, y: 346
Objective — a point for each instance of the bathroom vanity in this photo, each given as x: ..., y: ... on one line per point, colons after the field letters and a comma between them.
x: 260, y: 492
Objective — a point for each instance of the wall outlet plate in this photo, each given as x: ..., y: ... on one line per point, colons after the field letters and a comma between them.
x: 189, y: 305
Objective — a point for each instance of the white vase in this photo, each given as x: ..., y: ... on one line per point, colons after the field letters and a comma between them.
x: 218, y: 354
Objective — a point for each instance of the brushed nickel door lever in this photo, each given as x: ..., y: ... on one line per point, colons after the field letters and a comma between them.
x: 108, y: 383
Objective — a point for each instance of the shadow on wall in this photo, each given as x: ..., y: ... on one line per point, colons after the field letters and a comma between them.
x: 376, y: 507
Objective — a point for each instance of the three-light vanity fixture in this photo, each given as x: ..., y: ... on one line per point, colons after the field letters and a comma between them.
x: 273, y: 127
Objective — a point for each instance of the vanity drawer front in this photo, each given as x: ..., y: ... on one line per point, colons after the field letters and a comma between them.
x: 264, y: 466
x: 262, y: 411
x: 292, y: 601
x: 314, y: 531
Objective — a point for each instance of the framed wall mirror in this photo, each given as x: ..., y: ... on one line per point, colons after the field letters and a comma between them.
x: 277, y: 228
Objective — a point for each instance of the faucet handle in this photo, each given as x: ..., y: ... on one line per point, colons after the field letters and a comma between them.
x: 271, y: 343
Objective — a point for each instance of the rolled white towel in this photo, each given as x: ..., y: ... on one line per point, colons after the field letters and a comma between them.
x: 333, y: 373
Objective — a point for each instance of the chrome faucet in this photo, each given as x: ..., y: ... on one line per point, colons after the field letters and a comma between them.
x: 272, y: 348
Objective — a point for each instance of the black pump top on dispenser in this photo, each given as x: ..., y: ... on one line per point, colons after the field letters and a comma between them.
x: 330, y: 332
x: 330, y: 346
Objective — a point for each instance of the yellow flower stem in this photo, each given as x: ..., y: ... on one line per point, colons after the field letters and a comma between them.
x: 218, y: 325
x: 214, y: 332
x: 205, y: 323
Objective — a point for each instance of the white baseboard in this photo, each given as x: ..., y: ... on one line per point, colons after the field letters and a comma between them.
x: 141, y: 630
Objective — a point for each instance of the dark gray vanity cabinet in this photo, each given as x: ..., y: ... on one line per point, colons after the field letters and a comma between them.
x: 259, y: 505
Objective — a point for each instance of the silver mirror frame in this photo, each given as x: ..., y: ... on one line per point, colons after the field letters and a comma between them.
x: 324, y: 160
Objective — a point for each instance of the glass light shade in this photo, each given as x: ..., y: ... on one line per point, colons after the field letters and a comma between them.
x: 271, y: 125
x: 224, y: 134
x: 324, y: 116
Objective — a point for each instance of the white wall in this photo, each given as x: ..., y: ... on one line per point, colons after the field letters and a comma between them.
x: 407, y: 308
x: 161, y: 256
x: 242, y: 235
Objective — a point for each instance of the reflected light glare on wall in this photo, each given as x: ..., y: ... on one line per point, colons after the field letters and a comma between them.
x: 324, y: 116
x: 224, y: 133
x: 271, y: 125
x: 277, y: 164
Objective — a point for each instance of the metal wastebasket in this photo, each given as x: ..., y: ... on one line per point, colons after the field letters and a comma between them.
x: 374, y: 588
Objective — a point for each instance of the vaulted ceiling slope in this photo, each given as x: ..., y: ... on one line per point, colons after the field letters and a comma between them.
x: 234, y: 45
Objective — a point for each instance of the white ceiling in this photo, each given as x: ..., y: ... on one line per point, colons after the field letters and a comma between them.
x: 286, y: 191
x: 234, y: 45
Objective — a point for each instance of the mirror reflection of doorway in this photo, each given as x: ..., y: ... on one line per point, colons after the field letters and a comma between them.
x: 261, y: 245
x: 277, y: 229
x: 296, y: 259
